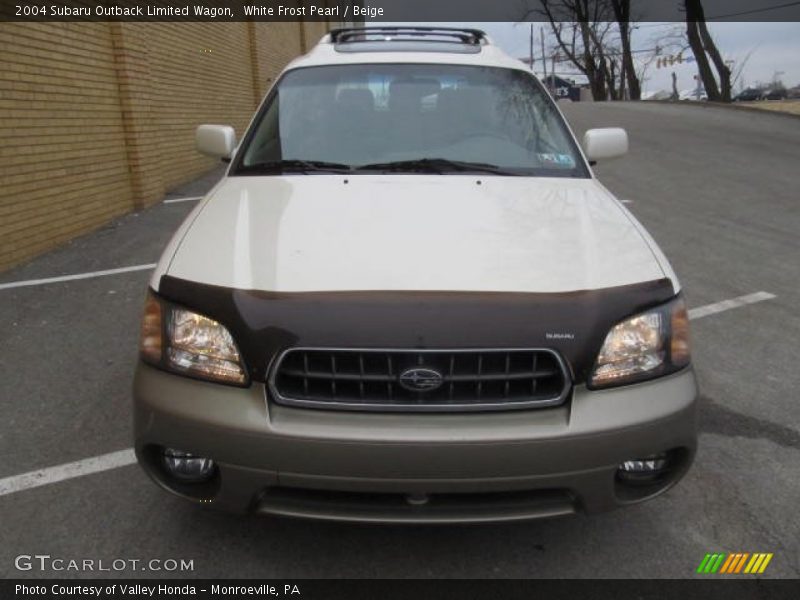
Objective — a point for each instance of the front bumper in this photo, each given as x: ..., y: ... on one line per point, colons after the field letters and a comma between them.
x: 414, y: 467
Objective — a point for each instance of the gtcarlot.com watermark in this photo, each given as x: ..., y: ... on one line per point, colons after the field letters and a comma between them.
x: 46, y: 562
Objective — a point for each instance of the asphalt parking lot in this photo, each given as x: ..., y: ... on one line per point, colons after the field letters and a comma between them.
x: 716, y: 188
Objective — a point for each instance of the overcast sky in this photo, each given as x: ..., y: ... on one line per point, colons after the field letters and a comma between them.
x: 773, y: 47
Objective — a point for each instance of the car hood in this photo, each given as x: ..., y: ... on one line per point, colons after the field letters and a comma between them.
x: 308, y: 233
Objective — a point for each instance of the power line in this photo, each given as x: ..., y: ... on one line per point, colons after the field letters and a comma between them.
x: 649, y: 25
x: 753, y: 11
x: 716, y: 17
x: 558, y: 57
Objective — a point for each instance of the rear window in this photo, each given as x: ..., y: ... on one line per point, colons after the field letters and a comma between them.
x: 367, y: 114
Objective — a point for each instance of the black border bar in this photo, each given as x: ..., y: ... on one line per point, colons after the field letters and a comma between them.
x: 410, y: 589
x: 371, y: 11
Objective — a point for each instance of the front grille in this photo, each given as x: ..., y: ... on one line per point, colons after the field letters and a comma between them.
x: 419, y: 380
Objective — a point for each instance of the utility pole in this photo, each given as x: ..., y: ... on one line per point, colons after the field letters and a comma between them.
x: 530, y: 55
x: 544, y: 58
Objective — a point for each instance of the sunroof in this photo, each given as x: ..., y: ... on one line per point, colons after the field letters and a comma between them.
x: 393, y: 39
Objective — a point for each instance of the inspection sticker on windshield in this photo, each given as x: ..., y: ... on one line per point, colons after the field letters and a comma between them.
x: 557, y: 160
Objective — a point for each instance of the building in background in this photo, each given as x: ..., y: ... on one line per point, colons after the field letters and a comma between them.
x: 98, y: 119
x: 564, y: 89
x: 560, y: 87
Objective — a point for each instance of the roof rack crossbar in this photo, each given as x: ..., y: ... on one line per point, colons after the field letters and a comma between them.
x: 368, y: 34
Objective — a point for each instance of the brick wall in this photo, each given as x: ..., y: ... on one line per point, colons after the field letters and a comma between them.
x: 98, y: 119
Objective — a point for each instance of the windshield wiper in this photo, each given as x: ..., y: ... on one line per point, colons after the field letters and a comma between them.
x: 297, y: 165
x: 427, y: 165
x: 436, y: 165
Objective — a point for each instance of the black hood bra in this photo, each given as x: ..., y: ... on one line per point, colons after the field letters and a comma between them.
x: 265, y: 323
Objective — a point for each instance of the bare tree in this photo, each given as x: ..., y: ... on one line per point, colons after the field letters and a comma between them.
x: 703, y: 47
x: 622, y: 13
x: 573, y: 23
x: 608, y: 59
x: 674, y: 42
x: 586, y: 36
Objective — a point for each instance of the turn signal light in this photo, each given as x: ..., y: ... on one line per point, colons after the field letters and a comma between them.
x: 150, y: 339
x: 679, y: 343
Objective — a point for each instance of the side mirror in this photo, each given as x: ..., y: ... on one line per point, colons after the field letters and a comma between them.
x: 601, y: 144
x: 218, y: 141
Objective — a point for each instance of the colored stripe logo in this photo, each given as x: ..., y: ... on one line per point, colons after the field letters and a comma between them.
x: 735, y: 563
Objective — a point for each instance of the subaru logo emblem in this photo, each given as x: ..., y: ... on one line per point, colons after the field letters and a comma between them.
x: 418, y: 379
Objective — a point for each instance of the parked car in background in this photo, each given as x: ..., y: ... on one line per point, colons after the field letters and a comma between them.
x: 778, y: 93
x: 749, y: 95
x: 693, y: 94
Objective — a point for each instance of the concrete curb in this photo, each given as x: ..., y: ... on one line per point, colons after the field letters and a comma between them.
x: 724, y: 105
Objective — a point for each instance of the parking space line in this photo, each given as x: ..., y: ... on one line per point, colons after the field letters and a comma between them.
x: 79, y: 468
x: 90, y: 275
x: 718, y: 307
x: 123, y: 458
x: 174, y: 200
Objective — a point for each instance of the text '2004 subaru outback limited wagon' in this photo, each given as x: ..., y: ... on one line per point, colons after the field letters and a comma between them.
x: 410, y: 300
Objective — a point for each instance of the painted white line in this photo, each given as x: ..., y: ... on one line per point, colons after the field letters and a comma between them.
x: 627, y: 201
x: 79, y: 468
x: 718, y: 307
x: 29, y: 282
x: 174, y: 200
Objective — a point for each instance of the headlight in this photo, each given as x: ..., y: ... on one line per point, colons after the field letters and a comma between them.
x: 650, y: 344
x: 187, y: 342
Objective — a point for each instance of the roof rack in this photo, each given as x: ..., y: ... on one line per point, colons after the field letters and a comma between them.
x: 472, y: 37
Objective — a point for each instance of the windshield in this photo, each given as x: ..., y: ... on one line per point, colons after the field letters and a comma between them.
x: 365, y: 118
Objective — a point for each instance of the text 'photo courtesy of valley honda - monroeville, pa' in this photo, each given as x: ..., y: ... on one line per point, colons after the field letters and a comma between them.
x: 409, y: 299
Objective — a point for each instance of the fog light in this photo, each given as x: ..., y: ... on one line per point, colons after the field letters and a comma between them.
x: 187, y: 467
x: 645, y: 465
x: 643, y: 471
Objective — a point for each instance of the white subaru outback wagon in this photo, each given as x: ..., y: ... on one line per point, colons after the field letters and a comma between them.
x: 410, y: 300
